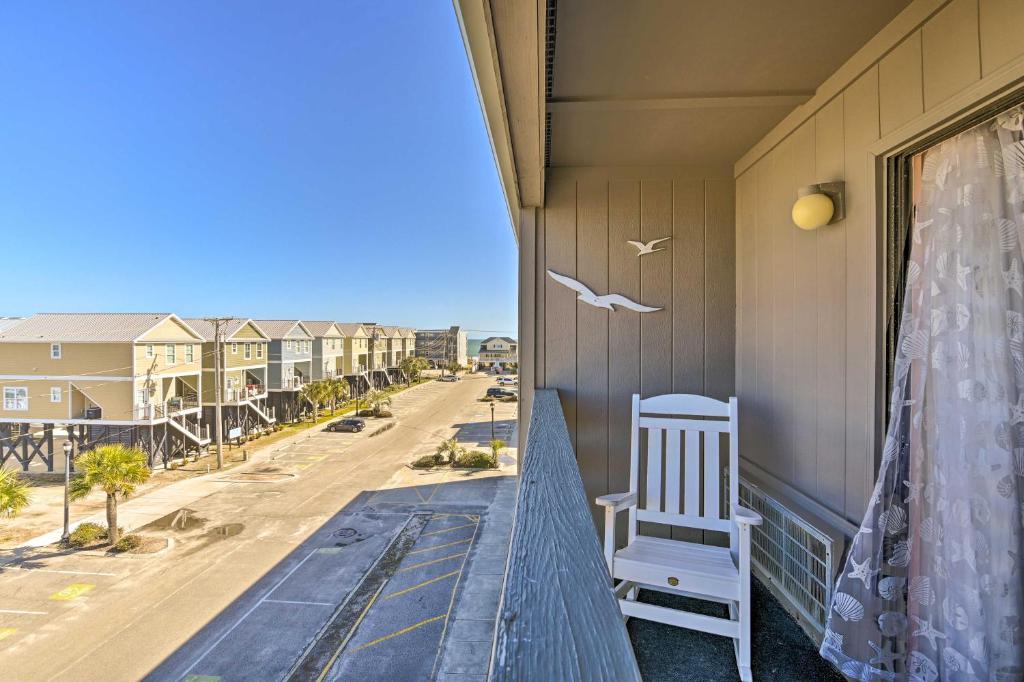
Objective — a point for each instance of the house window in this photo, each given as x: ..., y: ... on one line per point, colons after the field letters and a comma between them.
x: 149, y: 350
x: 169, y: 353
x: 55, y: 351
x: 287, y: 345
x: 248, y: 351
x: 259, y: 350
x: 234, y: 349
x: 189, y: 353
x: 54, y: 394
x: 15, y: 398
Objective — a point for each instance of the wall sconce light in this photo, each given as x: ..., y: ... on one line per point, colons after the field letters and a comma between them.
x: 819, y: 205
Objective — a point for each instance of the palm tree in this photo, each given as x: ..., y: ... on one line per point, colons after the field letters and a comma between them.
x: 14, y: 494
x: 413, y: 366
x: 496, y: 445
x: 115, y: 468
x: 376, y: 400
x: 451, y: 448
x: 454, y: 367
x: 338, y: 392
x: 314, y: 393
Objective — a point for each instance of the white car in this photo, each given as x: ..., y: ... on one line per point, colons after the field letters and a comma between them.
x: 449, y: 377
x: 508, y: 381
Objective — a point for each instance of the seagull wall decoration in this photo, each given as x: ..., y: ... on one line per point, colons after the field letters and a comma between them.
x: 644, y: 249
x: 608, y: 301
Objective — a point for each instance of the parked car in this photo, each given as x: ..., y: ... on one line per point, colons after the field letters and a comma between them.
x: 351, y: 424
x: 499, y: 392
x: 508, y: 381
x: 449, y: 377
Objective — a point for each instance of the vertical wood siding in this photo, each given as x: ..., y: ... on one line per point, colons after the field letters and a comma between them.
x: 597, y: 359
x: 807, y: 312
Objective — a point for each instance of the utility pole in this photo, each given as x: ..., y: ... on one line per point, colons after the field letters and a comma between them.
x: 218, y: 384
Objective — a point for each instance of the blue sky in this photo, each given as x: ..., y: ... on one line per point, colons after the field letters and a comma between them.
x: 272, y: 159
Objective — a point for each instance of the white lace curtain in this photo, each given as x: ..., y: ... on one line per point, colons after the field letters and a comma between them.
x: 933, y: 586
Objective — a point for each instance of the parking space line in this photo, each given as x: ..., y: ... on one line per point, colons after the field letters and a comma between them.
x: 433, y: 561
x: 352, y: 630
x: 54, y: 570
x: 72, y: 591
x: 418, y: 586
x: 301, y: 603
x: 412, y: 627
x: 448, y: 530
x: 25, y: 613
x: 447, y: 544
x: 247, y: 613
x: 7, y: 632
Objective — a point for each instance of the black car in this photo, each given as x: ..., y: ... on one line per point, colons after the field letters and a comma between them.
x: 498, y: 392
x: 352, y: 424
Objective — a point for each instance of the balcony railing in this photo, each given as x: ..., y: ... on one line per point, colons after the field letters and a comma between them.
x: 559, y: 619
x: 233, y: 395
x: 294, y: 382
x: 167, y: 408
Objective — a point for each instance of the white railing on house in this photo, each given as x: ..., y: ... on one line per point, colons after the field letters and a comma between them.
x: 559, y: 619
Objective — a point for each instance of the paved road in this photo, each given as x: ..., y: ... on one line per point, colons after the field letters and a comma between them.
x: 259, y: 568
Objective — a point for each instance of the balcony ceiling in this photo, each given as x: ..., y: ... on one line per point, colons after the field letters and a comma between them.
x: 692, y: 82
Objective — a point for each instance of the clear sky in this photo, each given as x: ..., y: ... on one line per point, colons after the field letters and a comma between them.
x: 260, y: 159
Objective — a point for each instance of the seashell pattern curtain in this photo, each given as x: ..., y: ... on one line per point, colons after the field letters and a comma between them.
x: 933, y: 588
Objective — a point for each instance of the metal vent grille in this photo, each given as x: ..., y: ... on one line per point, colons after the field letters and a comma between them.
x: 793, y: 556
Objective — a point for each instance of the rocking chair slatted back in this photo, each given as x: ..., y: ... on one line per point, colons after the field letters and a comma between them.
x: 683, y: 466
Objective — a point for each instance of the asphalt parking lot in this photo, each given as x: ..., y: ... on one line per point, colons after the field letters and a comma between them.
x: 259, y: 571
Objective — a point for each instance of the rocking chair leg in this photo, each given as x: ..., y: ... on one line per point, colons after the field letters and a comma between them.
x: 743, y: 642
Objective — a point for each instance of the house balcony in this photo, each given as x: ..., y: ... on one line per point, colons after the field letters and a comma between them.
x: 553, y: 537
x: 294, y: 383
x: 249, y: 392
x: 172, y: 407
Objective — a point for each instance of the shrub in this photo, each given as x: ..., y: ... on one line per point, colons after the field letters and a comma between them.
x: 428, y: 461
x: 510, y: 399
x: 87, y: 534
x: 474, y: 459
x: 385, y: 414
x: 128, y: 543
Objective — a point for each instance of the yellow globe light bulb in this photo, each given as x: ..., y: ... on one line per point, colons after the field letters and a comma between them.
x: 813, y: 211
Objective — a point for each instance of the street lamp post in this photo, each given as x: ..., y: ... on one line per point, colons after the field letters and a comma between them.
x: 492, y: 421
x: 67, y: 492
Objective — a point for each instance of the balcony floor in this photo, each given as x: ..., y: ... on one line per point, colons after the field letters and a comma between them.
x: 781, y: 650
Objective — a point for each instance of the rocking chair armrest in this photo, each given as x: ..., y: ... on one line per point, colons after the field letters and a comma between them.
x: 617, y: 501
x: 745, y: 517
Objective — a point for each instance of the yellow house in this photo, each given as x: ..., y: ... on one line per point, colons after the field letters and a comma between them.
x: 129, y: 377
x: 244, y: 359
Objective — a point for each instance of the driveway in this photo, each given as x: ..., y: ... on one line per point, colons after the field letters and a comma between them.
x: 269, y: 574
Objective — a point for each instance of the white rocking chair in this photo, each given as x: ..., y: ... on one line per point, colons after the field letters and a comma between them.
x: 720, y: 574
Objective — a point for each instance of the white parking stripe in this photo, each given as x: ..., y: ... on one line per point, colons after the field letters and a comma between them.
x: 26, y: 613
x: 54, y: 570
x: 302, y: 603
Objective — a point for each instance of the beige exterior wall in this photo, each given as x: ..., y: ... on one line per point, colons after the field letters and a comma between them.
x: 247, y: 331
x: 101, y: 359
x: 234, y: 353
x: 597, y: 359
x: 158, y: 363
x: 115, y: 397
x: 168, y: 330
x: 354, y: 346
x: 809, y: 309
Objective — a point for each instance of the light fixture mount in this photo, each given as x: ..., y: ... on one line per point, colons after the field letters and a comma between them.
x: 836, y: 191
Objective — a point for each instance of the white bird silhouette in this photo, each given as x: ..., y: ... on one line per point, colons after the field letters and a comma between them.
x: 609, y: 301
x: 644, y: 249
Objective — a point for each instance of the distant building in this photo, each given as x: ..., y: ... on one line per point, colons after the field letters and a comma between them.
x: 498, y: 351
x: 440, y: 347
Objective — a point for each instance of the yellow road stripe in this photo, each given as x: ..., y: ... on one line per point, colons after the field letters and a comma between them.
x: 448, y: 530
x: 7, y: 632
x: 447, y: 544
x: 428, y: 563
x: 344, y: 642
x: 302, y: 466
x: 385, y: 638
x: 317, y: 458
x: 72, y: 591
x: 422, y: 584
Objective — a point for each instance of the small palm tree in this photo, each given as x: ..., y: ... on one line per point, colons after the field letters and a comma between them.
x: 117, y: 470
x: 413, y: 366
x: 14, y: 494
x: 377, y: 400
x: 314, y: 393
x: 454, y: 367
x: 450, y: 448
x: 339, y: 393
x: 496, y: 445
